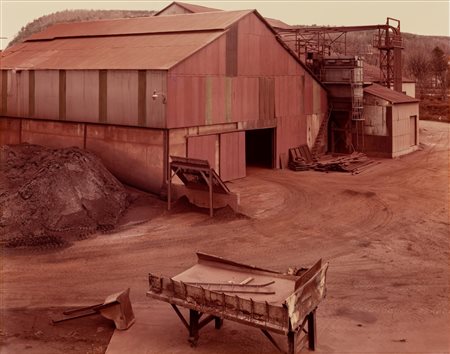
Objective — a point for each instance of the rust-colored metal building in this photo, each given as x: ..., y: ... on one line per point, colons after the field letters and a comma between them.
x: 217, y: 85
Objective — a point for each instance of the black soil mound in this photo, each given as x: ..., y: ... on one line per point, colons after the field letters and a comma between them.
x: 53, y: 196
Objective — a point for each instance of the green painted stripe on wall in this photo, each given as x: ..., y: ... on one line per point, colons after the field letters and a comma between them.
x: 228, y: 93
x: 208, y: 100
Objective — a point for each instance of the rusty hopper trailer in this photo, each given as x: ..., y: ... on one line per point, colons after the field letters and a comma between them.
x: 218, y: 289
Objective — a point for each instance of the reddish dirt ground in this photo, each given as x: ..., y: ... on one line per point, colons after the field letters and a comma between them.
x: 385, y: 233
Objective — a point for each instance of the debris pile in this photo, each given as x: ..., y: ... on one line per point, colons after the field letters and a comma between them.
x: 300, y: 159
x: 353, y: 163
x: 52, y: 196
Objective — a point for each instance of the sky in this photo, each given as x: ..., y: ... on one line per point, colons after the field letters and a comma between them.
x: 426, y: 17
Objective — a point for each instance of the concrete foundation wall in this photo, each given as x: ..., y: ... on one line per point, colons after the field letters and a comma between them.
x: 134, y: 155
x: 52, y: 134
x: 10, y: 131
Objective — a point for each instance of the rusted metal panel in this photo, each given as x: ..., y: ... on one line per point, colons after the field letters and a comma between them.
x: 17, y: 93
x: 47, y: 94
x: 204, y: 148
x: 209, y: 60
x: 232, y: 156
x: 208, y: 100
x: 388, y: 94
x: 31, y: 93
x: 173, y: 9
x: 122, y: 97
x: 186, y: 104
x: 228, y: 100
x: 266, y: 98
x: 260, y: 53
x: 308, y: 92
x: 82, y: 95
x: 143, y: 25
x: 232, y: 51
x: 316, y: 97
x: 245, y: 99
x: 103, y: 96
x: 140, y: 52
x: 218, y: 100
x: 156, y: 108
x: 181, y: 8
x: 62, y: 94
x: 142, y: 98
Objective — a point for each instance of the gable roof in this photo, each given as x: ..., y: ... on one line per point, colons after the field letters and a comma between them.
x: 277, y: 23
x: 143, y: 43
x: 156, y: 43
x: 388, y: 94
x: 188, y: 7
x: 143, y: 25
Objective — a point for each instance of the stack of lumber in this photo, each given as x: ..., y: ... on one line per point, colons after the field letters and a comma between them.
x: 301, y: 159
x: 353, y: 163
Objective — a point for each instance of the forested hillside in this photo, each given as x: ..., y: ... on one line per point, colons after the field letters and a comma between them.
x: 73, y: 16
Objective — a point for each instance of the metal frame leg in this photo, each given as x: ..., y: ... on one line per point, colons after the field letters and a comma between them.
x: 291, y: 342
x: 194, y: 317
x: 312, y: 332
x: 218, y: 323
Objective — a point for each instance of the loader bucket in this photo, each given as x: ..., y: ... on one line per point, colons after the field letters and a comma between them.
x: 117, y: 307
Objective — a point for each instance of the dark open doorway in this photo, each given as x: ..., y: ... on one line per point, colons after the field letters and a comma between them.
x: 260, y: 147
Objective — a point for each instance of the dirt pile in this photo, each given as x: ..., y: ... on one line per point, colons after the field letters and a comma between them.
x: 53, y: 196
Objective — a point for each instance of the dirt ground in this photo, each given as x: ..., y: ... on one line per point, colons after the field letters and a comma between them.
x: 385, y: 233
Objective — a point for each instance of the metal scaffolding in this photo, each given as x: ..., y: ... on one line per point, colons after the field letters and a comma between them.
x: 312, y: 44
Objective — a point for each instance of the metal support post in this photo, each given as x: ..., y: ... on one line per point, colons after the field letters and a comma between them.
x: 194, y: 317
x: 312, y: 332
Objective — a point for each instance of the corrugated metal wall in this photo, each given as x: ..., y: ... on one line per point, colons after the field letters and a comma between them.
x: 82, y: 95
x: 122, y: 97
x: 232, y: 156
x: 246, y: 77
x: 205, y: 148
x: 17, y: 93
x: 46, y: 94
x: 402, y: 141
x: 118, y: 97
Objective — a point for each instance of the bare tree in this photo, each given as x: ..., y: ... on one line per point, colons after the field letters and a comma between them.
x: 438, y: 65
x: 418, y: 66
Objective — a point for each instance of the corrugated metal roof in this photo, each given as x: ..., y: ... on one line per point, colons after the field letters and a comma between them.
x: 388, y: 94
x: 189, y: 7
x: 277, y: 23
x: 209, y: 21
x: 156, y: 51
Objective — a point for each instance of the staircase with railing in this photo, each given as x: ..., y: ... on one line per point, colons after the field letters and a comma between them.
x: 321, y: 135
